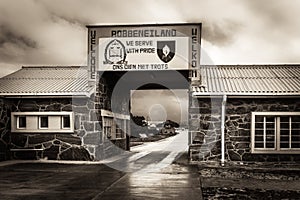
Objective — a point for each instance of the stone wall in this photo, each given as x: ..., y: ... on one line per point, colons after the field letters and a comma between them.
x: 100, y: 146
x: 206, y: 138
x: 87, y: 141
x: 55, y: 145
x: 4, y: 130
x: 205, y: 129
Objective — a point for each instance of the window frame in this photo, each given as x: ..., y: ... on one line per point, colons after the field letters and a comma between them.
x: 18, y: 122
x: 108, y: 125
x: 40, y: 121
x: 116, y: 119
x: 63, y: 122
x: 276, y: 149
x: 33, y: 122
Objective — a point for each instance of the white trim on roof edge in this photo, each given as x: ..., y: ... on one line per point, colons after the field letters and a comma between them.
x: 86, y: 94
x: 199, y: 94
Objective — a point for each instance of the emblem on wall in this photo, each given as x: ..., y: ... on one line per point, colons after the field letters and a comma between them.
x: 115, y: 52
x: 166, y: 50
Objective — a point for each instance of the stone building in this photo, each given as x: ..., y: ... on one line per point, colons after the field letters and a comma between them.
x: 49, y: 112
x: 238, y: 113
x: 246, y: 113
x: 242, y: 113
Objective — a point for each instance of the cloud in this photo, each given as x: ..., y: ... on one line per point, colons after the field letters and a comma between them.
x: 31, y: 35
x: 53, y: 32
x: 221, y: 33
x: 110, y: 12
x: 8, y: 36
x: 259, y: 33
x: 13, y: 45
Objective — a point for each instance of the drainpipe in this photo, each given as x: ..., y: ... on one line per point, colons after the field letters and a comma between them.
x: 223, y: 130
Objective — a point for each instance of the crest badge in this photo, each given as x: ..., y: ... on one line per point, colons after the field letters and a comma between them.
x: 166, y: 50
x: 115, y: 52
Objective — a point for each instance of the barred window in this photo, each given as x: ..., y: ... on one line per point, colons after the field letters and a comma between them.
x: 120, y: 128
x: 115, y: 125
x: 275, y: 132
x: 108, y: 126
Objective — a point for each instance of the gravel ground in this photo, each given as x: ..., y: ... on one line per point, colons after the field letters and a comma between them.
x: 250, y: 181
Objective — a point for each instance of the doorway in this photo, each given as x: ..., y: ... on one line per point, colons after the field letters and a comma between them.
x: 157, y: 114
x: 156, y: 101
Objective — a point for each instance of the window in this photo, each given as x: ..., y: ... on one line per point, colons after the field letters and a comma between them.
x: 120, y: 128
x: 115, y: 125
x: 66, y: 122
x: 44, y: 122
x: 107, y: 126
x: 21, y: 123
x: 275, y: 132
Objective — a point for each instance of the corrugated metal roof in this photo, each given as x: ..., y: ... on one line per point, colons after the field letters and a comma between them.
x: 216, y: 80
x: 58, y: 81
x: 249, y: 80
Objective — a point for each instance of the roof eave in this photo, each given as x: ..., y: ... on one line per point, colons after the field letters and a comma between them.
x: 246, y: 94
x: 34, y: 95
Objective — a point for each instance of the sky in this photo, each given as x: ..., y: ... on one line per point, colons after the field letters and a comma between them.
x: 160, y: 105
x: 53, y: 32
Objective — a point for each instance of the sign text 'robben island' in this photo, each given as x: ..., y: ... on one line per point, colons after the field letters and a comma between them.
x: 143, y: 47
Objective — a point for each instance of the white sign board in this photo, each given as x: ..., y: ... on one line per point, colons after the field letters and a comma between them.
x: 143, y: 47
x: 143, y: 53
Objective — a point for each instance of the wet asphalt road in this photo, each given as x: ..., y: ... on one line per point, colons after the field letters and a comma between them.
x: 146, y: 173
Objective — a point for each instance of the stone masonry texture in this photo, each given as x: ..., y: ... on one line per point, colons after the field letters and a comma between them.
x: 86, y: 143
x: 4, y: 130
x: 205, y: 123
x: 55, y: 146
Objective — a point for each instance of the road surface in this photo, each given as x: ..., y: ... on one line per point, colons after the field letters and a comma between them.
x: 148, y: 172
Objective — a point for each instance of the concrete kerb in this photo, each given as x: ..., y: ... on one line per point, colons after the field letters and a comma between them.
x: 69, y: 162
x: 250, y: 166
x: 182, y: 159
